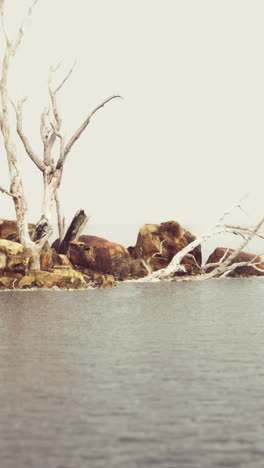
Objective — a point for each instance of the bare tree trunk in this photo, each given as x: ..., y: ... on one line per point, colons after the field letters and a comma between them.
x: 51, y: 183
x: 16, y: 186
x: 50, y: 166
x: 60, y: 219
x: 74, y: 231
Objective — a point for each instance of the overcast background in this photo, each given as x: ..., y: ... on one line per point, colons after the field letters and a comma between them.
x: 186, y: 141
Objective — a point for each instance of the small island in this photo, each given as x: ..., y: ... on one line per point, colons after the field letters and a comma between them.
x: 27, y: 259
x: 93, y: 262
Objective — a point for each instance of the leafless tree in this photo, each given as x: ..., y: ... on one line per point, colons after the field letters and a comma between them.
x: 50, y: 164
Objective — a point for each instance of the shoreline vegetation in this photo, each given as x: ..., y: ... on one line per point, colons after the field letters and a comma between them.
x: 163, y: 251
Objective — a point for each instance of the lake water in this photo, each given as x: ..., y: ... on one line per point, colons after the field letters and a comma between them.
x: 144, y: 375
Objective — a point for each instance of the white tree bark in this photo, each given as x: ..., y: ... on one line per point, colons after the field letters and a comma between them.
x: 16, y: 186
x: 222, y: 268
x: 60, y: 219
x: 49, y: 164
x: 51, y: 167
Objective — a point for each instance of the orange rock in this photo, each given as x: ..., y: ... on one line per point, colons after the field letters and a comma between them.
x: 219, y: 252
x: 9, y: 231
x: 158, y: 243
x: 100, y: 255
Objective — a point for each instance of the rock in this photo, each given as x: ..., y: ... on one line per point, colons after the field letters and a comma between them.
x: 18, y: 263
x: 61, y: 261
x: 158, y: 243
x: 95, y: 279
x: 219, y: 252
x: 3, y: 260
x: 26, y: 282
x: 57, y: 271
x: 100, y: 255
x: 11, y: 281
x: 138, y: 270
x: 103, y: 281
x: 9, y: 231
x: 46, y: 260
x: 10, y: 248
x: 63, y: 279
x: 13, y: 258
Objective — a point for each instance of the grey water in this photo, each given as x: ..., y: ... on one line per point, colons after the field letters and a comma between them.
x: 144, y: 375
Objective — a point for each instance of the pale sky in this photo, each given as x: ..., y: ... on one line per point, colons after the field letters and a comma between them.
x: 186, y: 141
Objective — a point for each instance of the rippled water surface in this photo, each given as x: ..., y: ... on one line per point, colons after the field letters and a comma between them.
x: 166, y: 375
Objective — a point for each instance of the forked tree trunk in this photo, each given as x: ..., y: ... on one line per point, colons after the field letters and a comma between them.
x: 51, y: 180
x: 48, y: 164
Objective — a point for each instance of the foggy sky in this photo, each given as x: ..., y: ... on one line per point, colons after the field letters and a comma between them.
x: 186, y: 141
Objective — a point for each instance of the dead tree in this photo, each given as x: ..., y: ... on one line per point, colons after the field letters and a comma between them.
x: 74, y: 231
x: 226, y: 264
x: 50, y: 164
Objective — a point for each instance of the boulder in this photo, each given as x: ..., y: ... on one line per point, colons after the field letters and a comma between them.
x: 158, y: 243
x: 9, y: 231
x: 10, y: 248
x: 56, y: 271
x: 49, y: 259
x: 63, y: 279
x: 100, y: 255
x: 12, y: 257
x: 219, y: 252
x: 11, y: 281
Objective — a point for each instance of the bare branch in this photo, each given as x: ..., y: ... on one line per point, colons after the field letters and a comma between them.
x: 227, y: 212
x: 81, y: 129
x: 243, y: 230
x: 195, y: 261
x: 226, y: 265
x: 57, y: 133
x: 44, y: 130
x: 216, y: 264
x: 66, y: 78
x: 54, y: 68
x: 146, y: 265
x: 27, y: 146
x: 22, y: 28
x: 53, y: 99
x: 7, y: 193
x: 252, y: 263
x: 219, y: 228
x: 58, y: 121
x: 3, y: 22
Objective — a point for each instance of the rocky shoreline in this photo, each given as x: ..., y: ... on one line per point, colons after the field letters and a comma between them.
x: 94, y: 262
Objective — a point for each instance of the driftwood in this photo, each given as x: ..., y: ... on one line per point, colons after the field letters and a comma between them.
x: 222, y: 268
x: 74, y: 231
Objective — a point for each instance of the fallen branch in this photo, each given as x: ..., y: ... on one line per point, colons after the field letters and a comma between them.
x: 220, y: 267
